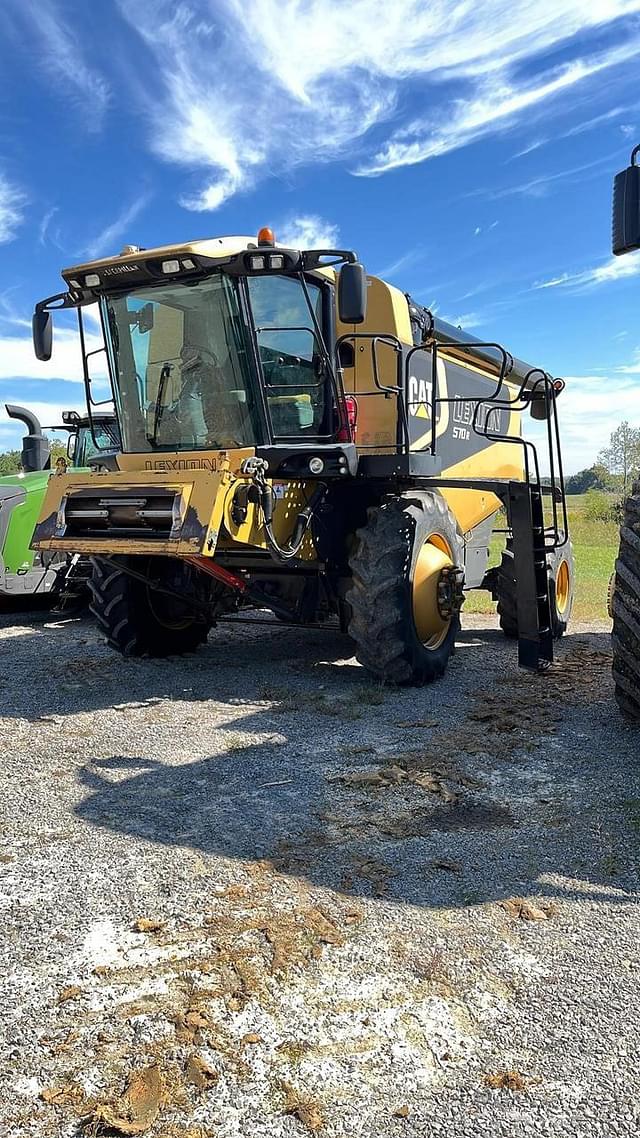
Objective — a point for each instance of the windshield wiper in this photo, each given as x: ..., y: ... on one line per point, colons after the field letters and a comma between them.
x: 165, y: 375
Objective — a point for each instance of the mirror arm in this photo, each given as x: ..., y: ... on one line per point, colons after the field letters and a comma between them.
x: 63, y: 299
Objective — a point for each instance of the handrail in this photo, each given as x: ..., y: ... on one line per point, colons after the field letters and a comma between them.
x: 532, y: 384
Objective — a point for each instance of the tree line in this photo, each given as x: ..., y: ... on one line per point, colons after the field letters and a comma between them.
x: 10, y: 459
x: 617, y: 466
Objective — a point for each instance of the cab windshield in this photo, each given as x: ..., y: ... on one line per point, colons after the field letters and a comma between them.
x: 106, y: 438
x: 179, y: 355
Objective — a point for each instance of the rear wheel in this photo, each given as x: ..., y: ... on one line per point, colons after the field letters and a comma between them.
x: 625, y: 603
x: 561, y: 575
x: 406, y: 589
x: 139, y: 620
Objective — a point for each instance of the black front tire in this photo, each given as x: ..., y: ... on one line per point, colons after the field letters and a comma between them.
x: 380, y: 598
x: 625, y: 603
x: 138, y: 620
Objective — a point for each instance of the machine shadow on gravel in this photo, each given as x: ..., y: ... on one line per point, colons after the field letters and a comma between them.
x: 76, y: 673
x: 256, y: 803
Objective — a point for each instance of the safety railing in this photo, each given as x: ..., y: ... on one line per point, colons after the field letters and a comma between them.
x: 536, y: 389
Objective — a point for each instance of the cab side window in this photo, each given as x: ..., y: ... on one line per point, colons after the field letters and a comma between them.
x: 296, y: 386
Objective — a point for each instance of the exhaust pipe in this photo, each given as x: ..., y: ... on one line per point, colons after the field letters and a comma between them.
x: 36, y: 454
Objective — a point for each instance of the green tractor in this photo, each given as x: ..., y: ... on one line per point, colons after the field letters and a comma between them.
x: 25, y: 575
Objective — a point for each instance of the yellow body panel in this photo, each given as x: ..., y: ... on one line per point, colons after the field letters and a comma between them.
x: 200, y: 510
x: 471, y: 507
x: 289, y: 499
x: 387, y: 313
x: 207, y: 483
x: 213, y: 247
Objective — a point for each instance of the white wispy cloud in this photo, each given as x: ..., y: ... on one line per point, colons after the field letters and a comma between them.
x: 55, y: 46
x: 10, y: 316
x: 590, y: 408
x: 260, y: 88
x: 407, y: 260
x: 465, y: 320
x: 103, y: 244
x: 12, y: 202
x: 497, y: 106
x: 529, y: 147
x: 613, y: 269
x: 590, y: 124
x: 18, y: 361
x: 632, y: 368
x: 49, y: 413
x: 45, y: 222
x: 308, y: 231
x: 540, y: 186
x: 579, y: 128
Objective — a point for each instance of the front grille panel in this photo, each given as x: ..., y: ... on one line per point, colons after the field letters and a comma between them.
x: 149, y: 514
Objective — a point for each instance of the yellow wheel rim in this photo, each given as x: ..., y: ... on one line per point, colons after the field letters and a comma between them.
x: 563, y: 587
x: 434, y: 556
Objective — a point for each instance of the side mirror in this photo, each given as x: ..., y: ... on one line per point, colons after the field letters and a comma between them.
x: 352, y: 293
x: 42, y: 328
x: 145, y: 318
x: 626, y: 208
x: 538, y: 406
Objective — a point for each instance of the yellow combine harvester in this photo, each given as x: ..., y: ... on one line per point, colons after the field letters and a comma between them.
x: 300, y: 437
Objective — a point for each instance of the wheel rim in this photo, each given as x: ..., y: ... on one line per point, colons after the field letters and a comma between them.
x: 563, y: 587
x: 434, y: 556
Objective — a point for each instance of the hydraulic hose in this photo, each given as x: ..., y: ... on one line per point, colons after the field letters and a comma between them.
x: 292, y: 548
x: 256, y: 467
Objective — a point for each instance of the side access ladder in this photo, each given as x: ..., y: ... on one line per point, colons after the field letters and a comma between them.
x: 535, y: 636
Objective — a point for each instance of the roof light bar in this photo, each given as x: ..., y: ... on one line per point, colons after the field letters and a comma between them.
x: 269, y: 262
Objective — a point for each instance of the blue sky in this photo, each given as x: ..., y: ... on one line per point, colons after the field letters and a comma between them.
x: 465, y: 151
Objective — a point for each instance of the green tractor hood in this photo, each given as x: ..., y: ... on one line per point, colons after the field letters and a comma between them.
x: 21, y: 497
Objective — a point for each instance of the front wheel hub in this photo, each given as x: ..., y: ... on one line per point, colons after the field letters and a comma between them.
x: 450, y: 592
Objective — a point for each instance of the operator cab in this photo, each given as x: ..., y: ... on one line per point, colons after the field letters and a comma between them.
x: 219, y: 345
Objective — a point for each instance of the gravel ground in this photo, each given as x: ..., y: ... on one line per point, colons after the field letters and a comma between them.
x: 251, y: 892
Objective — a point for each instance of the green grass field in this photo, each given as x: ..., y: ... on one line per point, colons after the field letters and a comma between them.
x: 595, y: 545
